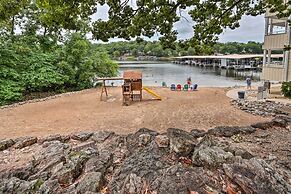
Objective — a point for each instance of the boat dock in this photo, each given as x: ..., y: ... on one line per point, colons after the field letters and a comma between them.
x: 234, y: 61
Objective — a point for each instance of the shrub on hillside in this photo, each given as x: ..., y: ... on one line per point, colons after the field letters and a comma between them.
x: 286, y: 89
x: 27, y: 66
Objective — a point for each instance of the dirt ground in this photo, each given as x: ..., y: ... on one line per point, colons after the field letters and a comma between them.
x: 202, y: 109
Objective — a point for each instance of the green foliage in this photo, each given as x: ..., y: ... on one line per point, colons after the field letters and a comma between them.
x: 82, y: 63
x: 238, y: 48
x: 155, y: 48
x: 129, y: 20
x: 286, y: 89
x: 28, y: 66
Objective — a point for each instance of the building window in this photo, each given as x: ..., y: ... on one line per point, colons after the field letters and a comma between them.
x: 276, y: 58
x: 276, y: 26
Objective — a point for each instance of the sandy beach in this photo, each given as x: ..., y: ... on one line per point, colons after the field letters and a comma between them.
x: 202, y: 109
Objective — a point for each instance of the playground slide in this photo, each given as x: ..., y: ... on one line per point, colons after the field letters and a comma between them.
x: 152, y: 93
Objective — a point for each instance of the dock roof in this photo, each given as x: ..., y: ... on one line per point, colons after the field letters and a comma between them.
x: 232, y: 56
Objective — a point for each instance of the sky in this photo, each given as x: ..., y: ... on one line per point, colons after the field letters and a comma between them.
x: 251, y: 28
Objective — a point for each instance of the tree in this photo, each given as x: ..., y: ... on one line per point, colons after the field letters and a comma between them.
x: 132, y: 19
x: 116, y: 54
x: 191, y: 51
x: 210, y: 18
x: 253, y: 47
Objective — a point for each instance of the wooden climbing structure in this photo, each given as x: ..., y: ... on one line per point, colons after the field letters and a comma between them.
x: 132, y: 87
x: 104, y: 88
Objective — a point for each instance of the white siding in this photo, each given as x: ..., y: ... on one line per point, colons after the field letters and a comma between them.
x: 275, y: 41
x: 273, y: 73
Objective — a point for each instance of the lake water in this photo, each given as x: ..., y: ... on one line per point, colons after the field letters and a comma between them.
x: 156, y: 73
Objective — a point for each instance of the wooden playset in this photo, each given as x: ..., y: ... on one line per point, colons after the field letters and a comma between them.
x: 131, y: 88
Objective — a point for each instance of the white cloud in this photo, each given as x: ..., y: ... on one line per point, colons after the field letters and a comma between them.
x: 251, y: 29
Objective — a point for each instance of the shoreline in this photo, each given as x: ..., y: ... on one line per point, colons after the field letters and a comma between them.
x: 83, y: 111
x: 99, y: 87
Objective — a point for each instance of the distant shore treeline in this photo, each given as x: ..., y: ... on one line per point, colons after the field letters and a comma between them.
x: 155, y: 48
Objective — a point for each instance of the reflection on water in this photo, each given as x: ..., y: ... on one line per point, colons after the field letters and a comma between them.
x: 155, y: 74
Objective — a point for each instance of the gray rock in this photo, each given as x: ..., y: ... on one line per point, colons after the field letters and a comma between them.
x: 99, y: 163
x: 50, y: 187
x: 162, y: 141
x: 57, y: 137
x: 180, y: 179
x: 91, y: 181
x: 101, y: 136
x: 210, y: 156
x: 264, y: 108
x: 6, y: 143
x: 144, y: 139
x: 284, y: 117
x: 50, y: 138
x: 198, y: 133
x: 281, y: 121
x: 146, y: 131
x: 132, y: 184
x: 144, y: 162
x: 181, y: 142
x: 83, y: 136
x: 17, y: 186
x: 67, y: 173
x: 256, y: 176
x: 21, y: 172
x: 238, y: 151
x: 24, y: 142
x: 228, y: 131
x: 79, y: 147
x: 263, y: 125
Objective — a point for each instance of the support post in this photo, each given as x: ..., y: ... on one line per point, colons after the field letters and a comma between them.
x: 265, y: 58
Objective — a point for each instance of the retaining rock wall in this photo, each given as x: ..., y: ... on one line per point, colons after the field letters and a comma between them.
x: 262, y: 108
x: 222, y: 160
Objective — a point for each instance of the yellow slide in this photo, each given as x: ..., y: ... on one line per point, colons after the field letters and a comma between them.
x: 152, y: 93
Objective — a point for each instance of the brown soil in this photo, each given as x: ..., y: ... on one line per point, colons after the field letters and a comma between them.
x: 203, y: 109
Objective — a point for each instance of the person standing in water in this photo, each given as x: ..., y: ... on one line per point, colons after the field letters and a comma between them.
x: 249, y: 83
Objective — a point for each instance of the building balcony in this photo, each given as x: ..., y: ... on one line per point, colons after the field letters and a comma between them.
x: 275, y: 41
x: 273, y: 73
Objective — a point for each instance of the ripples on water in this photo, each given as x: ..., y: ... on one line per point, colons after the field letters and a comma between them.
x: 155, y: 74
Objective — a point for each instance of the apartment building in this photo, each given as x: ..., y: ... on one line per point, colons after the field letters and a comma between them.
x: 277, y: 41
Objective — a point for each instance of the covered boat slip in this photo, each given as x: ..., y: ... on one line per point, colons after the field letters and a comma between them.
x: 234, y: 61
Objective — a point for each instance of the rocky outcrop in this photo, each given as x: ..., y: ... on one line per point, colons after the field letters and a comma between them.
x: 256, y: 176
x: 24, y: 142
x: 181, y: 142
x: 57, y: 137
x: 91, y: 182
x: 6, y: 143
x: 148, y: 162
x: 211, y: 156
x: 162, y: 141
x: 228, y: 131
x: 83, y: 136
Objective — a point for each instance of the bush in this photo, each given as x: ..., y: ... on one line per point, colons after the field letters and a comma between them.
x: 286, y: 89
x: 26, y: 67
